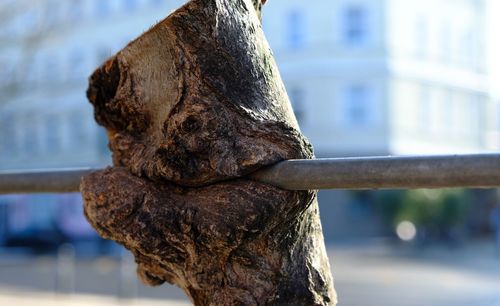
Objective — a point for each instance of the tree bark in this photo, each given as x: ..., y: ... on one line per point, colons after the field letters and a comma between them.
x: 191, y: 107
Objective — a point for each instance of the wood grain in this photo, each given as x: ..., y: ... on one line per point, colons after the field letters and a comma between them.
x: 192, y: 107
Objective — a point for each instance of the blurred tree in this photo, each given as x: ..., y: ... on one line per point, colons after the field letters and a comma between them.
x: 23, y: 27
x: 437, y: 214
x: 387, y: 204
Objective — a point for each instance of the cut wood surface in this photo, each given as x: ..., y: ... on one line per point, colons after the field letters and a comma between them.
x: 192, y: 107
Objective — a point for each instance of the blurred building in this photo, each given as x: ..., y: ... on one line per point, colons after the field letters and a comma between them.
x: 48, y: 48
x: 387, y: 76
x: 493, y: 7
x: 365, y: 77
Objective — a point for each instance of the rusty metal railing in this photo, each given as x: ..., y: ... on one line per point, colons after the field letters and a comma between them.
x: 473, y: 171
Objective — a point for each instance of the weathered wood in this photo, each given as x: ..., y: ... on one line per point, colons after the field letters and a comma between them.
x: 191, y: 107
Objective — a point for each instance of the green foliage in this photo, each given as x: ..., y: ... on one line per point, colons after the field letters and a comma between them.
x: 441, y: 210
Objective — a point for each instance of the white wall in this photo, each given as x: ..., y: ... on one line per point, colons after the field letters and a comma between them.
x: 439, y: 90
x: 493, y: 35
x: 323, y: 65
x: 322, y: 23
x: 430, y: 119
x: 326, y: 121
x: 446, y: 32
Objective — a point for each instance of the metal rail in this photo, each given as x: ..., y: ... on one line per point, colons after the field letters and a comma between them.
x: 41, y: 181
x: 410, y: 172
x: 475, y: 171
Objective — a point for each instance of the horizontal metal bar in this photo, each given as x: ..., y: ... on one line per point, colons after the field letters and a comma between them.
x: 42, y: 181
x: 475, y: 171
x: 409, y: 172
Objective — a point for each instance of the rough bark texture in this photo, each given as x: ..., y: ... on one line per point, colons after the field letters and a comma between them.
x: 191, y: 107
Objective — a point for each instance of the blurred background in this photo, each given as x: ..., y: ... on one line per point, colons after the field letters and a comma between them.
x: 365, y: 77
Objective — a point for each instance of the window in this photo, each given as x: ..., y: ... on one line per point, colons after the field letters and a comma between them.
x: 468, y: 118
x: 6, y: 72
x: 477, y: 119
x: 51, y: 14
x: 30, y: 145
x: 51, y: 69
x: 421, y: 37
x: 468, y: 49
x: 76, y: 64
x: 357, y: 110
x: 498, y: 117
x: 449, y: 112
x: 355, y: 25
x: 157, y: 2
x: 8, y: 137
x: 52, y: 133
x: 130, y: 4
x: 78, y: 133
x: 76, y: 9
x: 30, y: 20
x: 446, y: 43
x: 295, y: 29
x: 35, y: 72
x: 103, y: 7
x: 297, y: 100
x: 425, y: 109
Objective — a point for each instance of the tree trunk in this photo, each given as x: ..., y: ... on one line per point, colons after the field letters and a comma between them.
x: 191, y: 107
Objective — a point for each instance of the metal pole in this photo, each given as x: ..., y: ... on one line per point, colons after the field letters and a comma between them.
x: 475, y: 171
x: 41, y: 181
x: 410, y: 172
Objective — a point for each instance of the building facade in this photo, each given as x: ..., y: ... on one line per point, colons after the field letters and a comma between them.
x: 387, y: 77
x: 48, y: 49
x: 370, y: 77
x: 365, y: 77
